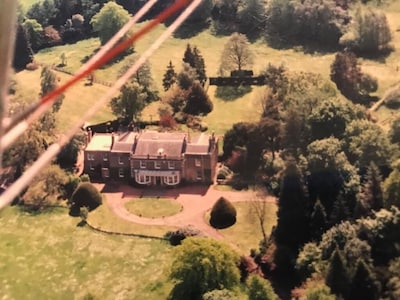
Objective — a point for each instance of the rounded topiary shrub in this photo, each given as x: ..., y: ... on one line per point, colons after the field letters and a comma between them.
x: 86, y: 195
x: 223, y: 214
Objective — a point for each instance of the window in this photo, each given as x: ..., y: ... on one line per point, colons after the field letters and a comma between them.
x: 197, y: 162
x: 143, y: 164
x: 199, y: 175
x: 90, y: 156
x: 157, y: 164
x: 106, y: 172
x: 171, y: 165
x: 91, y: 167
x: 105, y: 156
x: 121, y: 173
x: 120, y: 160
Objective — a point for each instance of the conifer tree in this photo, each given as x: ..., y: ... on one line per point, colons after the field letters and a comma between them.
x: 318, y: 221
x: 337, y: 277
x: 340, y: 210
x: 169, y: 76
x: 371, y: 193
x: 363, y: 285
x: 49, y: 83
x: 23, y: 53
x: 199, y: 65
x: 188, y: 56
x: 292, y: 226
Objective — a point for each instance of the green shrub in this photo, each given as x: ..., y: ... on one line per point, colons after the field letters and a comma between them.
x: 86, y: 195
x: 223, y: 214
x: 176, y: 237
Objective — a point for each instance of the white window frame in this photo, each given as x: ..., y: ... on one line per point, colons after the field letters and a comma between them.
x: 199, y: 175
x: 90, y: 156
x: 121, y: 173
x: 105, y: 156
x: 171, y: 165
x: 197, y: 162
x: 143, y: 164
x: 157, y: 164
x: 106, y: 172
x: 91, y: 167
x: 120, y: 161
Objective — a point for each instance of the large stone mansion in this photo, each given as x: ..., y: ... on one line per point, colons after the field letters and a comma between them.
x: 151, y: 157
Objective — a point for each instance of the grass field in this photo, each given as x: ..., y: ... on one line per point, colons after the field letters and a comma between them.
x: 153, y: 207
x: 47, y: 256
x: 246, y: 232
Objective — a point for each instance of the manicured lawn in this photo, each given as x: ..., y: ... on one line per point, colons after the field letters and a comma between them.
x: 105, y: 219
x: 153, y: 207
x: 47, y: 256
x: 246, y: 232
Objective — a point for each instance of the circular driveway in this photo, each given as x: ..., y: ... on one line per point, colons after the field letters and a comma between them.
x: 196, y: 200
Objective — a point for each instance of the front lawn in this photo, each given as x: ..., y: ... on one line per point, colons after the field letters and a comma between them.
x: 246, y: 232
x: 153, y: 207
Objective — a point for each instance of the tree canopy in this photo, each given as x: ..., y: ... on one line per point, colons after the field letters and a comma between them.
x: 109, y: 20
x: 201, y: 265
x: 236, y: 54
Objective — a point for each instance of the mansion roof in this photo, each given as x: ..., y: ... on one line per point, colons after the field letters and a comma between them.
x: 151, y: 143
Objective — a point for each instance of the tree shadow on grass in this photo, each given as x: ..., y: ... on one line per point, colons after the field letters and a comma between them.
x: 230, y: 93
x: 180, y: 292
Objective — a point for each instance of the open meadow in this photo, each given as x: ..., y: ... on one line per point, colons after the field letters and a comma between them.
x: 47, y: 256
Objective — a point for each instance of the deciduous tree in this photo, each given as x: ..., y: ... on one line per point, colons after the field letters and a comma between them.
x: 260, y: 289
x: 236, y: 54
x: 129, y: 104
x: 109, y: 20
x: 198, y: 102
x: 201, y: 265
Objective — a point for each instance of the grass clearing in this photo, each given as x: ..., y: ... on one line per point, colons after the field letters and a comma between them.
x: 246, y: 232
x: 46, y: 256
x: 77, y: 101
x: 153, y: 207
x: 104, y: 219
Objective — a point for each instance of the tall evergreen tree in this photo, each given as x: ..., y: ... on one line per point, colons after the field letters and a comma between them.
x: 169, y: 77
x: 292, y: 226
x: 199, y: 65
x: 188, y: 56
x: 194, y: 59
x: 371, y: 192
x: 363, y: 285
x: 23, y: 53
x: 48, y: 83
x: 318, y: 221
x: 337, y: 277
x: 340, y: 211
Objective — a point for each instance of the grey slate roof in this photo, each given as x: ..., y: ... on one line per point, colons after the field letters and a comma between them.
x: 155, y: 143
x: 124, y: 142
